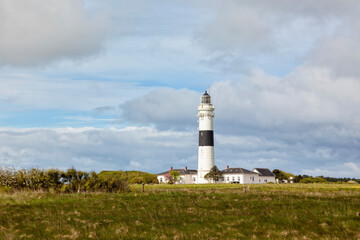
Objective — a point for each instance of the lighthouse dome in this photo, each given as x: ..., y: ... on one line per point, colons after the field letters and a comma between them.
x: 205, y: 98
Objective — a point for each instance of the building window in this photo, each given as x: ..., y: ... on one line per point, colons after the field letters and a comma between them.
x: 265, y: 181
x: 233, y: 178
x: 228, y: 179
x: 239, y: 178
x: 161, y: 180
x: 194, y: 179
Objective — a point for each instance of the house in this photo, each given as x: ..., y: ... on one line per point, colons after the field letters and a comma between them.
x: 187, y: 176
x: 239, y: 175
x: 265, y: 175
x: 229, y: 175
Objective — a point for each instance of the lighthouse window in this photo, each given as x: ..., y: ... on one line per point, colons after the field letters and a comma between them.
x: 205, y: 99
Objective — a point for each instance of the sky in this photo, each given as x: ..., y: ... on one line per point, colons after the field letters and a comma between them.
x: 115, y: 84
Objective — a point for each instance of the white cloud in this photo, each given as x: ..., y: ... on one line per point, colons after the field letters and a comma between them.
x: 135, y: 165
x: 27, y: 91
x: 165, y: 107
x: 339, y: 52
x: 246, y: 142
x: 273, y: 33
x: 235, y: 27
x: 35, y: 32
x: 130, y: 148
x: 307, y: 96
x: 340, y: 170
x: 148, y: 149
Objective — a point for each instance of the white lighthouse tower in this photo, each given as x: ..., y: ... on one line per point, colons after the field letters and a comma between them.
x: 206, y: 137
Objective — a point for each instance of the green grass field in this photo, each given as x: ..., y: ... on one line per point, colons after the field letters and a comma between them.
x: 213, y: 211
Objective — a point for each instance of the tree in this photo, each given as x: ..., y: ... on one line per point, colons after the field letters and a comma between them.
x: 279, y: 174
x: 214, y: 174
x: 298, y: 178
x: 136, y: 180
x: 172, y: 177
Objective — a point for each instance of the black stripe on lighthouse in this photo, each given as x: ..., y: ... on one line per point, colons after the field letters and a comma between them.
x: 206, y: 138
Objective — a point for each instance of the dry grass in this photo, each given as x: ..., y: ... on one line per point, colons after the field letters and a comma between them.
x: 325, y: 211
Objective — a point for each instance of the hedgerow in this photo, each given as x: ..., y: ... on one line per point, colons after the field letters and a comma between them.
x: 55, y: 180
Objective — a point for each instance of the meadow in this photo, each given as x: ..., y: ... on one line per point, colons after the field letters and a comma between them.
x: 212, y: 211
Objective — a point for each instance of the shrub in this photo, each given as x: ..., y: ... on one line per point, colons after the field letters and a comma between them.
x: 65, y: 189
x: 313, y: 180
x: 54, y: 180
x: 133, y: 177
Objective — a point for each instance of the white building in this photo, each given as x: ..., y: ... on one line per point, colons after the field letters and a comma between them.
x: 206, y: 156
x: 187, y: 176
x: 206, y: 137
x: 229, y: 175
x: 265, y: 175
x: 239, y: 175
x: 244, y: 176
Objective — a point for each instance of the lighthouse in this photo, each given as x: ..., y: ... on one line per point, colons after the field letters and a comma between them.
x: 206, y: 156
x: 206, y: 137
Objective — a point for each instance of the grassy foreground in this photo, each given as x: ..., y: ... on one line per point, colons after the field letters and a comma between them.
x: 292, y: 211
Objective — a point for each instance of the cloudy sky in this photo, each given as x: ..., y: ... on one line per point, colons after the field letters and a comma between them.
x: 115, y: 84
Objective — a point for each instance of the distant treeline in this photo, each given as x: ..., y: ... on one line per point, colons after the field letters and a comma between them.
x: 55, y: 180
x: 284, y: 176
x: 333, y: 179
